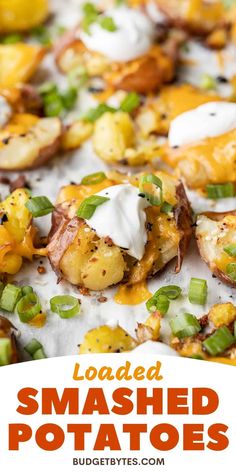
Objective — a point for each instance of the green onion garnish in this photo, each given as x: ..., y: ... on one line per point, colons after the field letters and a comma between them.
x: 170, y: 292
x: 231, y: 270
x: 130, y: 102
x: 1, y: 288
x: 39, y: 206
x: 28, y: 307
x: 42, y: 35
x: 107, y: 23
x: 185, y: 325
x: 208, y: 82
x: 219, y: 341
x: 10, y: 296
x: 5, y: 351
x: 69, y: 98
x: 151, y: 182
x: 12, y: 39
x: 47, y: 87
x: 230, y: 250
x: 65, y: 306
x: 160, y: 303
x: 93, y: 179
x: 26, y: 289
x: 197, y: 293
x: 89, y: 205
x: 35, y: 350
x: 220, y: 191
x: 166, y: 208
x: 94, y: 113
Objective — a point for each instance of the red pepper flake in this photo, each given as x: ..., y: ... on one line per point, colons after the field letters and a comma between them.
x: 102, y: 299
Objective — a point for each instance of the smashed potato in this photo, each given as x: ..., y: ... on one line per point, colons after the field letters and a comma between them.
x: 216, y: 239
x: 17, y: 234
x: 16, y: 15
x: 28, y: 142
x: 222, y: 314
x: 77, y: 254
x: 157, y: 113
x: 18, y: 63
x: 75, y: 134
x: 106, y: 339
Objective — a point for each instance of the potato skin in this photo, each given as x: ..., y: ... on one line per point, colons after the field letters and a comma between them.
x: 220, y: 274
x: 95, y: 271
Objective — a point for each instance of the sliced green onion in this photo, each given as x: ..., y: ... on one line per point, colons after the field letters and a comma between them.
x: 94, y: 113
x: 220, y: 191
x: 26, y: 289
x: 35, y: 350
x: 47, y: 87
x: 28, y: 307
x: 65, y: 306
x: 130, y: 102
x: 231, y: 250
x: 231, y: 270
x: 185, y: 325
x: 12, y: 39
x: 160, y: 303
x: 197, y: 293
x: 1, y: 288
x: 208, y: 82
x: 39, y: 206
x: 107, y: 23
x: 10, y: 296
x: 170, y: 292
x: 219, y: 341
x: 69, y: 98
x: 42, y: 35
x: 5, y: 351
x: 147, y: 181
x: 166, y: 208
x: 53, y: 104
x: 89, y: 205
x: 93, y: 179
x: 32, y: 347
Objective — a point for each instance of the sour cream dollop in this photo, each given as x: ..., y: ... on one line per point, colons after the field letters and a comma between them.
x: 153, y: 347
x: 206, y: 121
x: 122, y: 218
x: 132, y: 38
x: 5, y: 111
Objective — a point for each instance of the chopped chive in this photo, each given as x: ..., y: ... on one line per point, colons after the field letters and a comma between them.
x: 166, y: 208
x: 171, y: 292
x: 5, y: 351
x: 107, y: 23
x: 197, y: 293
x: 42, y: 35
x: 93, y: 179
x: 231, y: 270
x: 39, y: 206
x: 12, y: 39
x: 220, y: 191
x: 185, y: 325
x: 28, y: 307
x: 219, y: 341
x: 151, y: 182
x: 89, y: 205
x: 230, y: 250
x: 65, y: 306
x: 130, y: 102
x: 26, y: 289
x: 94, y: 113
x: 35, y: 350
x: 10, y: 296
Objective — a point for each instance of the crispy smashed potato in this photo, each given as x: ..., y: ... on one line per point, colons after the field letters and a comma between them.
x: 150, y: 330
x: 215, y: 233
x: 200, y: 163
x: 157, y: 113
x: 78, y: 255
x: 28, y: 142
x: 106, y: 339
x: 143, y: 75
x: 17, y: 234
x: 199, y: 17
x: 16, y: 15
x: 18, y: 63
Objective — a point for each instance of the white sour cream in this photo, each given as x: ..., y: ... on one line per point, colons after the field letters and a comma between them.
x: 122, y: 218
x: 132, y: 38
x: 209, y: 120
x: 154, y: 347
x: 5, y: 111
